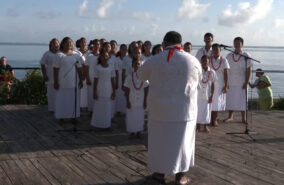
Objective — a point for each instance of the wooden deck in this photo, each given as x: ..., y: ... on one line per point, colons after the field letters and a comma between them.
x: 35, y: 150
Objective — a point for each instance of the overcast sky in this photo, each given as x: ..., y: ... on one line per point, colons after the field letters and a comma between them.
x: 259, y: 22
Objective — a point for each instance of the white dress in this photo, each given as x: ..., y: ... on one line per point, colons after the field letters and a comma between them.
x: 236, y: 95
x: 91, y: 61
x: 47, y: 59
x: 102, y: 108
x: 219, y: 98
x: 172, y: 105
x: 145, y: 58
x: 68, y: 90
x: 127, y: 65
x: 135, y: 115
x: 111, y: 62
x: 120, y: 104
x: 202, y: 51
x: 204, y: 92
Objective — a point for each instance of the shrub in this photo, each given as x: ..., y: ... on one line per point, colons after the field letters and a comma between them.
x: 30, y: 90
x: 279, y: 104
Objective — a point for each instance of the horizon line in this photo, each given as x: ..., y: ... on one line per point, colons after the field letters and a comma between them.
x: 46, y: 44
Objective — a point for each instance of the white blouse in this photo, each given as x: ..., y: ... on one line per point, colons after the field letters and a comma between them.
x: 204, y: 89
x: 237, y: 68
x: 202, y: 51
x: 92, y: 62
x: 218, y: 65
x: 67, y: 68
x: 104, y: 75
x: 136, y: 87
x: 47, y: 59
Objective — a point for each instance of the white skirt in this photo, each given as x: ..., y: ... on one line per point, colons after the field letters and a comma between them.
x: 101, y: 117
x: 171, y: 146
x: 50, y: 97
x: 219, y: 100
x: 236, y: 99
x: 65, y: 103
x: 84, y: 96
x: 204, y: 112
x: 120, y: 105
x: 90, y: 93
x: 135, y: 119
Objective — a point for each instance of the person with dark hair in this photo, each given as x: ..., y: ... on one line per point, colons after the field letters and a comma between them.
x: 187, y: 47
x: 136, y: 92
x: 120, y: 97
x: 206, y: 50
x: 140, y: 44
x: 81, y: 50
x: 127, y: 61
x: 205, y: 94
x: 173, y: 76
x: 157, y: 49
x: 238, y: 80
x: 146, y: 54
x: 263, y: 85
x: 221, y: 67
x: 91, y: 63
x: 102, y: 41
x: 104, y: 92
x: 46, y: 64
x: 66, y: 68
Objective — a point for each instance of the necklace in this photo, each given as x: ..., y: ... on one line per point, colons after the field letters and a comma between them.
x: 205, y: 82
x: 235, y: 59
x: 134, y: 85
x: 216, y: 69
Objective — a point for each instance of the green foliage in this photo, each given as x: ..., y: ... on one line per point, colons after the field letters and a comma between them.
x: 279, y: 104
x: 30, y: 90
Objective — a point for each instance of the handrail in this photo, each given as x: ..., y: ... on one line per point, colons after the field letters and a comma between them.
x: 271, y: 71
x: 25, y: 68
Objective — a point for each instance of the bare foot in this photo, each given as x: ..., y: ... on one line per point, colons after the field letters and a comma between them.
x: 206, y: 129
x: 181, y: 179
x: 215, y: 124
x: 198, y: 128
x: 228, y: 120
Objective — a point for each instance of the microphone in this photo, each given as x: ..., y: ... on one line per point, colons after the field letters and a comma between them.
x: 225, y: 46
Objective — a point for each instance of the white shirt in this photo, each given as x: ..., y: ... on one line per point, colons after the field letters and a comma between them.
x: 237, y: 68
x: 202, y: 51
x: 91, y: 61
x: 127, y: 65
x: 208, y: 78
x: 104, y: 75
x: 173, y: 86
x: 119, y: 65
x: 136, y: 87
x: 47, y: 59
x: 144, y: 58
x: 219, y: 65
x: 67, y: 70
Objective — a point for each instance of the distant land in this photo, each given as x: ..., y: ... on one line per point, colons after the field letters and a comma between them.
x: 194, y: 46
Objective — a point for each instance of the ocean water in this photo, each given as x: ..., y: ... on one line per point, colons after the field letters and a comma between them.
x: 271, y: 58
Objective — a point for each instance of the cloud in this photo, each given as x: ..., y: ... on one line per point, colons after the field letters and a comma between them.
x: 103, y: 7
x: 279, y: 23
x: 46, y: 15
x: 191, y: 8
x: 83, y: 7
x: 246, y: 13
x: 145, y: 16
x: 12, y: 13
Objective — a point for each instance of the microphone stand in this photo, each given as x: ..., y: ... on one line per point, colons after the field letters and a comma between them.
x: 74, y: 121
x: 246, y: 131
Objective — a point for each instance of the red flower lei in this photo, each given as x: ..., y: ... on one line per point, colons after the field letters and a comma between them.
x: 209, y: 73
x: 134, y: 85
x: 235, y: 59
x: 221, y: 60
